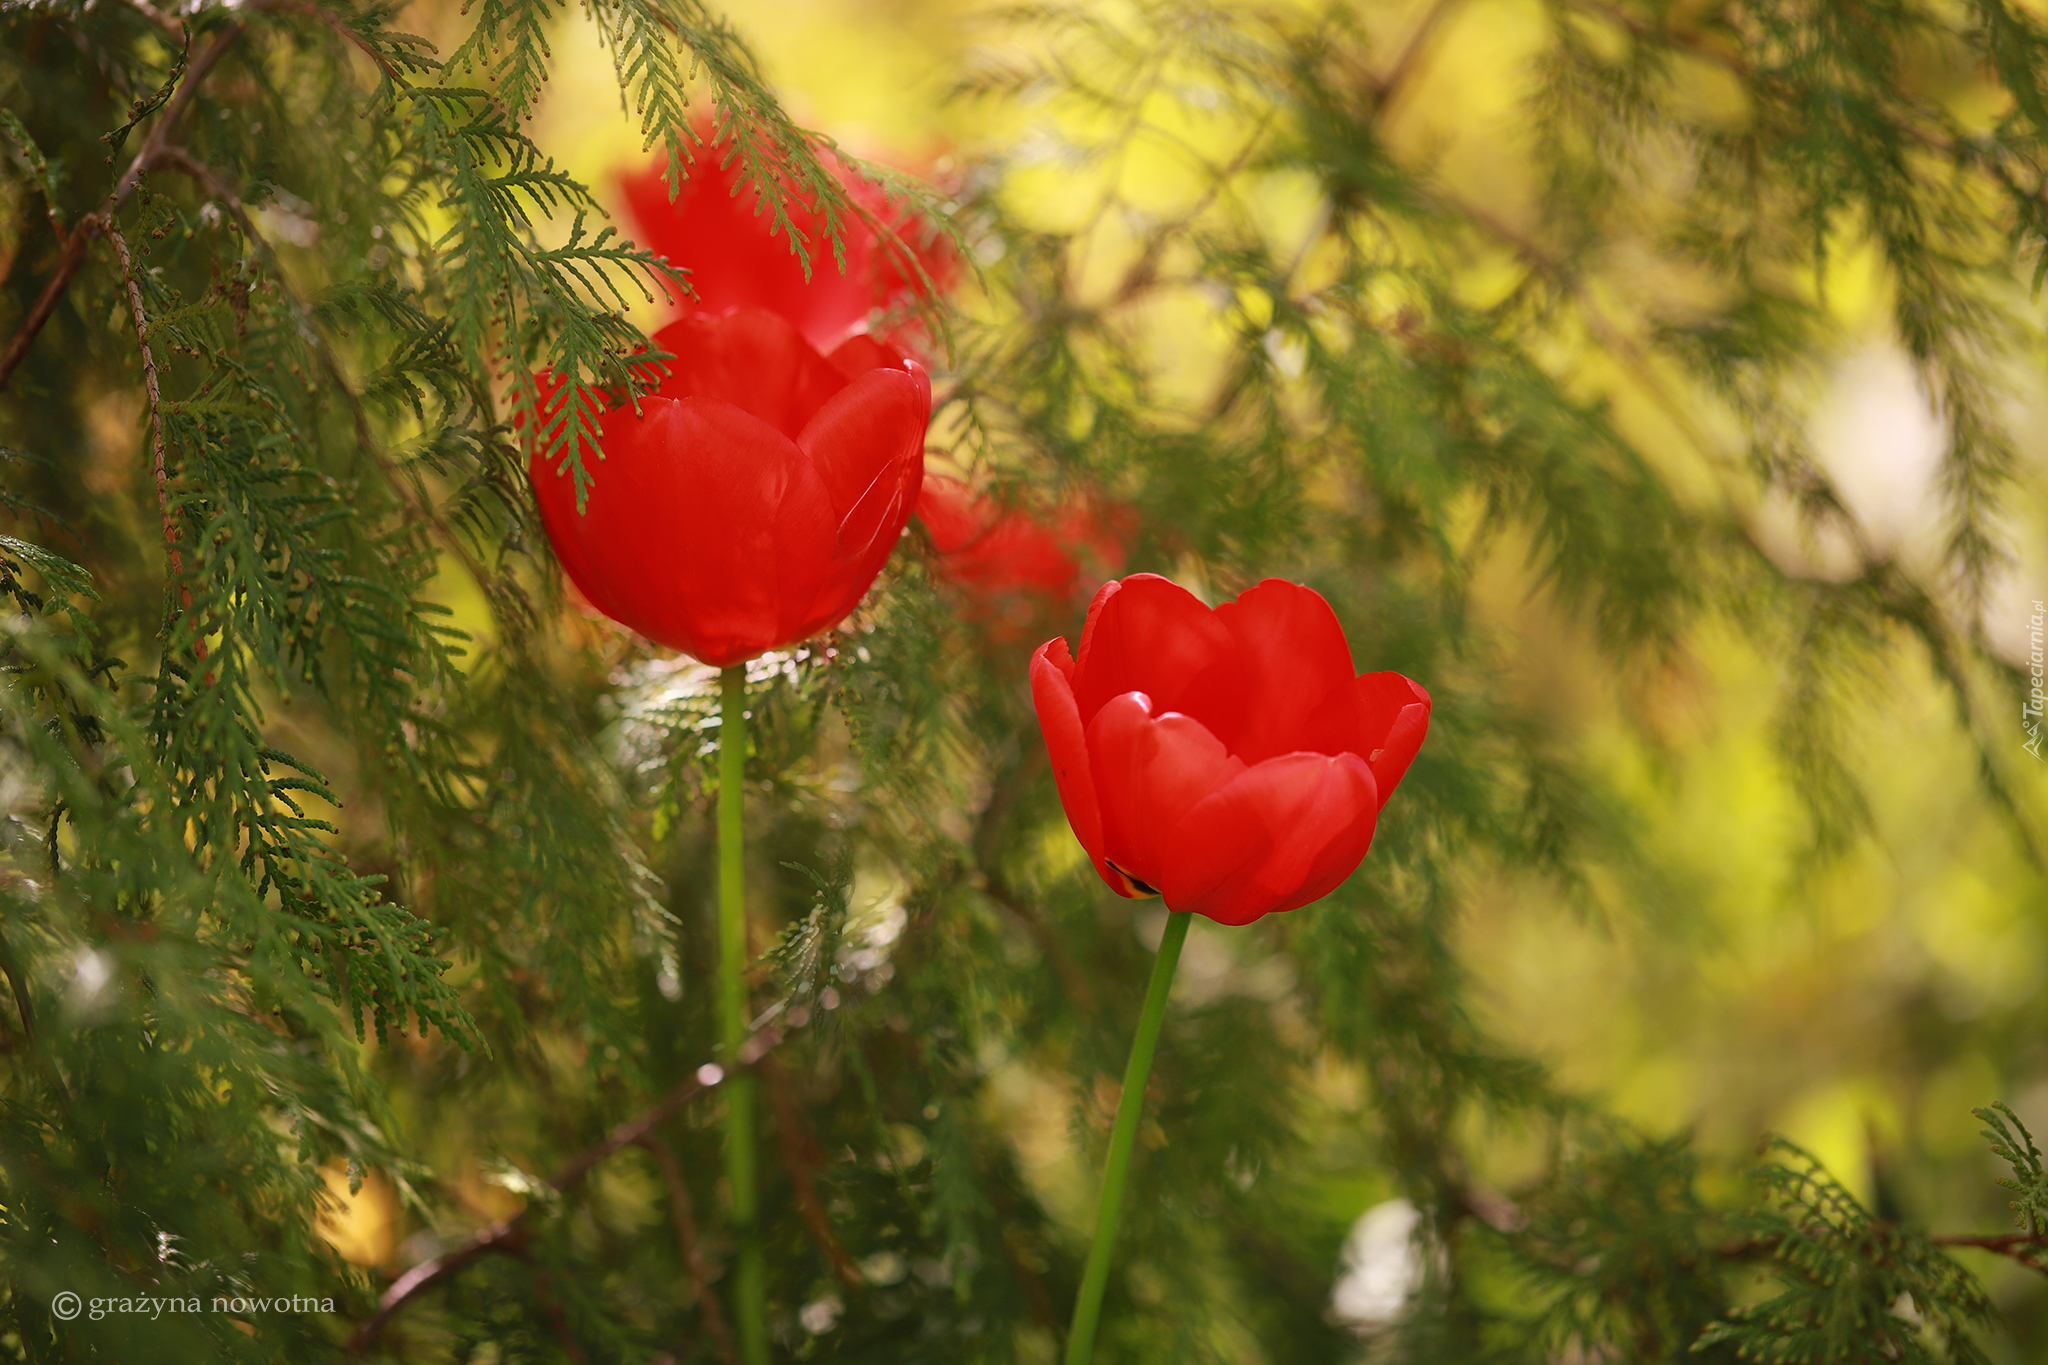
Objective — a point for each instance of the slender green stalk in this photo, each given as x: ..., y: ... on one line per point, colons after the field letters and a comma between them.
x: 750, y: 1297
x: 1088, y: 1307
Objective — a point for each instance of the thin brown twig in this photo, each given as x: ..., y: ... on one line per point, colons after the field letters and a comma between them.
x: 150, y: 386
x: 153, y: 150
x: 68, y: 264
x: 153, y: 388
x: 160, y: 133
x: 509, y: 1235
x: 1903, y: 600
x: 217, y: 187
x: 627, y: 1134
x: 333, y: 21
x: 1703, y: 46
x: 170, y: 24
x: 504, y: 1238
x: 1390, y: 87
x: 1503, y: 1215
x: 2030, y: 1249
x: 1144, y: 272
x: 1489, y: 1206
x: 1139, y: 92
x: 681, y: 1214
x: 558, y: 1321
x: 800, y: 1157
x: 22, y: 1003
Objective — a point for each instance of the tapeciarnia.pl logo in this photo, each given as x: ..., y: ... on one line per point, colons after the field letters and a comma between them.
x: 2030, y: 709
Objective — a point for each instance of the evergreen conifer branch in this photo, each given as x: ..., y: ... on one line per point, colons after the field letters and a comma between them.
x: 172, y: 99
x: 2010, y: 1140
x: 1614, y: 1250
x: 1847, y: 1281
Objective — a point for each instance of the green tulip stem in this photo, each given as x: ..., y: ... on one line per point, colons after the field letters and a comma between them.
x: 1088, y: 1307
x: 750, y: 1299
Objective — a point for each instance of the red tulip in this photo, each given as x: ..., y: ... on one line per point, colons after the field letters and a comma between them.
x: 715, y: 232
x: 1227, y: 760
x: 754, y: 497
x: 1014, y: 567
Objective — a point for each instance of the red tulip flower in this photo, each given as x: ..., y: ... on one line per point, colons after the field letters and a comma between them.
x: 1014, y: 567
x: 754, y: 497
x: 712, y: 229
x: 1227, y: 760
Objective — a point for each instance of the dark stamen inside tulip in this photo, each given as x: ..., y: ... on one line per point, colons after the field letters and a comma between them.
x: 1142, y: 888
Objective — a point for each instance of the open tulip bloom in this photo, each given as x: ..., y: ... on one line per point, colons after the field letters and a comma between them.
x: 748, y: 503
x: 1228, y: 761
x: 753, y: 498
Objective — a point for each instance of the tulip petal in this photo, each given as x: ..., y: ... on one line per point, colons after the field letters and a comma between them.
x: 867, y: 447
x: 1000, y: 554
x: 739, y: 260
x: 953, y: 517
x: 1053, y: 696
x: 1102, y: 598
x: 735, y: 480
x: 1054, y: 653
x: 859, y: 441
x: 556, y: 495
x: 1145, y: 634
x: 1149, y: 772
x: 1289, y: 652
x: 713, y: 229
x: 613, y: 544
x: 1281, y: 834
x: 702, y: 518
x: 1381, y: 717
x: 754, y: 360
x: 860, y: 353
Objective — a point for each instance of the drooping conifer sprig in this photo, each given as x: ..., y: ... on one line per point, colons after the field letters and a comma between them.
x: 1845, y: 1280
x: 1618, y: 1250
x: 2011, y: 1141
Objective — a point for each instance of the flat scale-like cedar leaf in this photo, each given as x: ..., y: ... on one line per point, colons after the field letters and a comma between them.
x: 2010, y: 1140
x: 1850, y: 1287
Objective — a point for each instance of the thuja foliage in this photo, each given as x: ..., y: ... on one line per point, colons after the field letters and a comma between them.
x: 316, y: 884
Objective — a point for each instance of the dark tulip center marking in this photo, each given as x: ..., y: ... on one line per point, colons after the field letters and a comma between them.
x: 1143, y: 887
